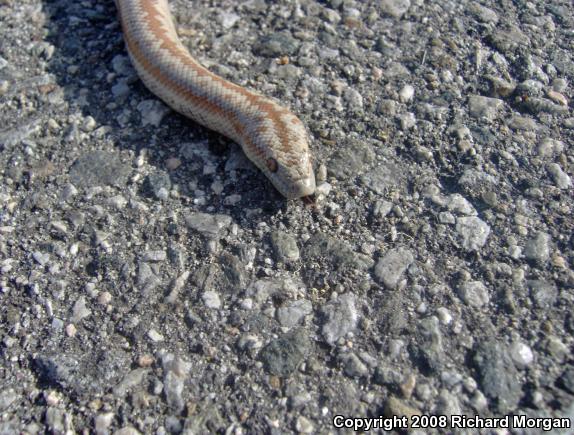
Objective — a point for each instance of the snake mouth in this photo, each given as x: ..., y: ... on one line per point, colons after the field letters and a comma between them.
x: 300, y: 188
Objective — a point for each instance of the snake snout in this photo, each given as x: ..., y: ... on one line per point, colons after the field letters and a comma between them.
x: 300, y: 188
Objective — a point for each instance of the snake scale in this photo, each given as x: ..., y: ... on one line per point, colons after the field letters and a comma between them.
x: 271, y: 136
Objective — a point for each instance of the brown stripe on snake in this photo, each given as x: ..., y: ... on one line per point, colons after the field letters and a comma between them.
x: 183, y: 55
x: 271, y: 136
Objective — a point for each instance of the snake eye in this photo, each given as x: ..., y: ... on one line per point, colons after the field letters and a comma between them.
x: 272, y: 164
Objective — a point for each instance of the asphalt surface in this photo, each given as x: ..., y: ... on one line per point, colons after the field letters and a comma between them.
x: 152, y: 281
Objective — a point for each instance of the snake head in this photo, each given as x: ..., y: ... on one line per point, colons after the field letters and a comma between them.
x: 293, y: 178
x: 279, y: 146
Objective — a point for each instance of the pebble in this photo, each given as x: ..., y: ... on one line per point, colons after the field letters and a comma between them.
x: 8, y: 396
x: 155, y: 336
x: 55, y: 420
x: 523, y: 123
x: 460, y: 205
x: 89, y: 124
x: 227, y: 19
x: 430, y: 343
x: 130, y: 381
x: 176, y: 371
x: 561, y: 178
x: 444, y: 315
x: 396, y: 407
x: 543, y: 293
x: 538, y: 248
x: 521, y: 354
x: 154, y: 256
x: 99, y: 168
x: 152, y: 112
x: 304, y: 425
x: 209, y: 225
x: 473, y: 231
x: 71, y: 330
x: 340, y: 318
x: 285, y: 246
x: 448, y: 404
x: 340, y: 255
x: 497, y: 375
x: 395, y: 8
x: 484, y: 107
x: 118, y: 202
x: 549, y: 147
x: 292, y: 314
x: 159, y: 183
x: 391, y: 267
x: 556, y: 347
x: 211, y: 299
x: 282, y: 356
x: 382, y: 178
x: 473, y: 293
x: 566, y: 381
x: 407, y: 121
x: 406, y: 94
x: 121, y: 65
x: 354, y: 99
x: 80, y: 311
x: 353, y: 366
x: 276, y: 45
x: 482, y: 13
x: 102, y: 423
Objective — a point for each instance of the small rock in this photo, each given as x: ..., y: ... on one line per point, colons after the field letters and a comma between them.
x: 97, y: 168
x: 304, y: 426
x: 396, y: 407
x: 285, y: 246
x: 155, y: 336
x: 159, y: 183
x: 538, y: 248
x: 276, y: 45
x: 484, y: 107
x: 102, y: 423
x: 283, y: 355
x: 566, y: 381
x: 209, y: 225
x: 341, y: 317
x: 473, y: 231
x: 130, y: 381
x: 474, y: 294
x: 522, y: 123
x: 211, y: 299
x: 395, y: 8
x: 521, y: 354
x: 561, y: 178
x: 406, y: 94
x: 80, y: 311
x: 292, y: 314
x: 498, y: 376
x: 353, y: 366
x: 391, y: 267
x: 543, y: 293
x: 152, y: 112
x: 382, y: 178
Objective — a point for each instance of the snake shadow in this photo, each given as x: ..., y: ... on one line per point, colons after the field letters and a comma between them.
x: 90, y: 65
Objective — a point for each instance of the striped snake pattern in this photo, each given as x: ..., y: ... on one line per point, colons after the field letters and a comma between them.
x: 271, y: 136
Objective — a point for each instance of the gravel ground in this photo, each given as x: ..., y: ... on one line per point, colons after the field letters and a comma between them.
x: 151, y: 281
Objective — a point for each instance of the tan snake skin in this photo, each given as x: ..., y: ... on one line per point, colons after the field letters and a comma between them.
x: 271, y: 136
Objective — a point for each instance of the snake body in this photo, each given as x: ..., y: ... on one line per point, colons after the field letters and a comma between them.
x: 271, y: 136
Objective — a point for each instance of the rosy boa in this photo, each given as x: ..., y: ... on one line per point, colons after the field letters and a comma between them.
x: 271, y: 136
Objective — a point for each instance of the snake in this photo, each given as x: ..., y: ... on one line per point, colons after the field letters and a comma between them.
x: 270, y: 135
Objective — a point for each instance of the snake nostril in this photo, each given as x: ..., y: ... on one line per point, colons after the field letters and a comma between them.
x: 272, y: 164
